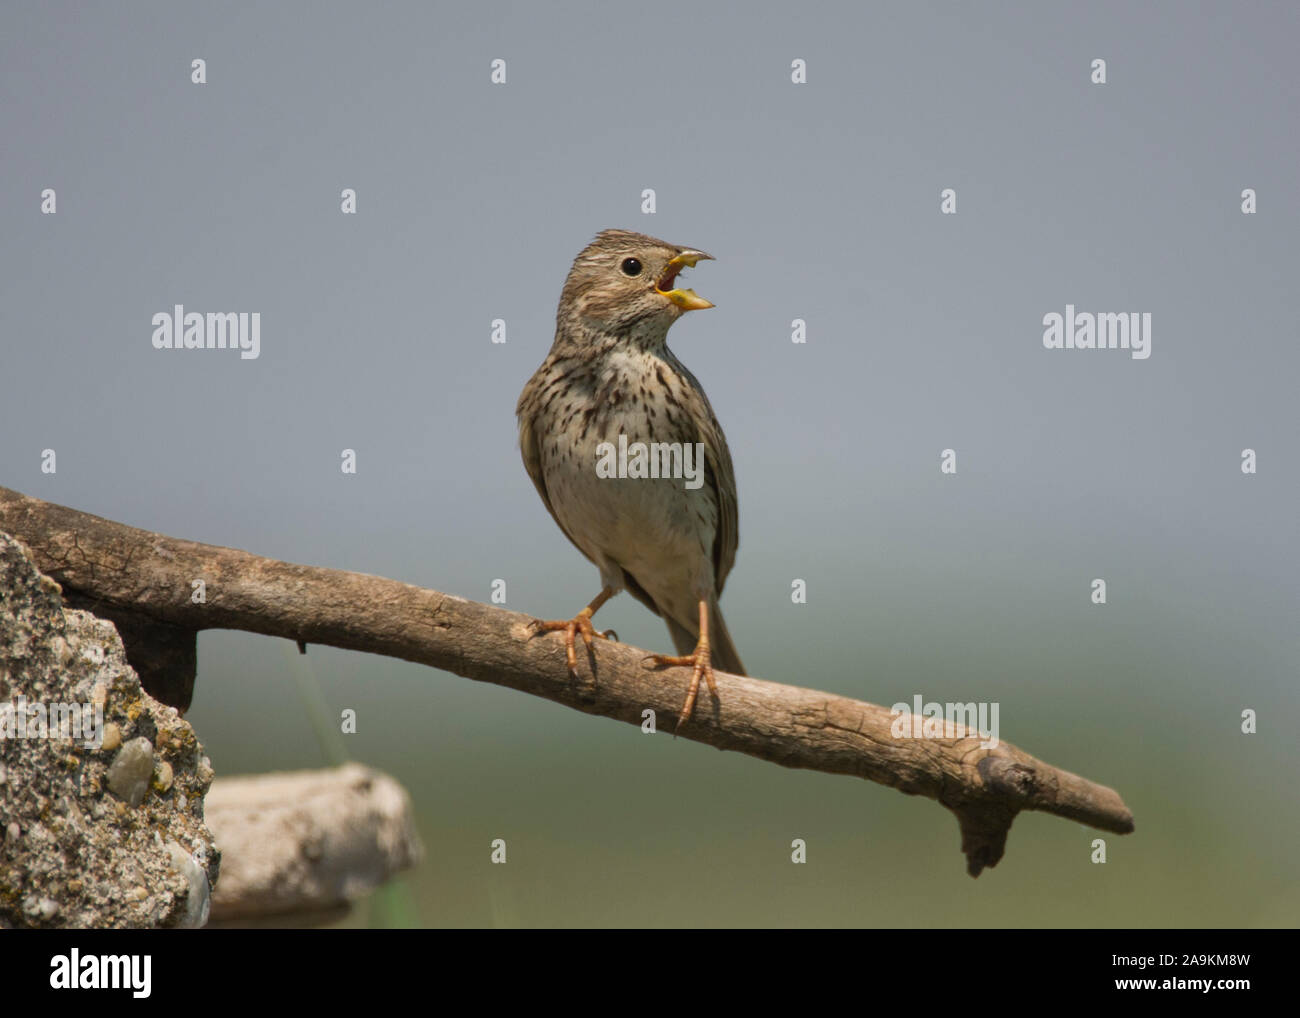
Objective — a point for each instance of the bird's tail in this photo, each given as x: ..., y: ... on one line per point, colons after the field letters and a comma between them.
x: 722, y: 652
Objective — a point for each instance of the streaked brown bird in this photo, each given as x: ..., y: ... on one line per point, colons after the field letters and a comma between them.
x: 610, y: 378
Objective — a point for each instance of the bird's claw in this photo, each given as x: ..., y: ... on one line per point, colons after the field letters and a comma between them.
x: 701, y: 668
x: 580, y: 623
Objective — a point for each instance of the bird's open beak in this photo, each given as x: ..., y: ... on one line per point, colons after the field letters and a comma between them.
x: 687, y: 299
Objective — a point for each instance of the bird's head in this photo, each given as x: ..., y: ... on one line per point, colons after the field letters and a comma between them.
x: 625, y: 283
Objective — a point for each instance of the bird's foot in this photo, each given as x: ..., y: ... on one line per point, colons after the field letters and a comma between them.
x: 701, y: 667
x: 580, y: 623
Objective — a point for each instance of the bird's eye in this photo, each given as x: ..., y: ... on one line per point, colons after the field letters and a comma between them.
x: 631, y: 267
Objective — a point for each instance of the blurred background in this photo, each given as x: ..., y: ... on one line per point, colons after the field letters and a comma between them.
x: 820, y: 201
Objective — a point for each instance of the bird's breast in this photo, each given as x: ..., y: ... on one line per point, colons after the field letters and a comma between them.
x: 626, y: 476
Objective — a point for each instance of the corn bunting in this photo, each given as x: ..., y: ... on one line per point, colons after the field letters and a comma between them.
x: 624, y: 448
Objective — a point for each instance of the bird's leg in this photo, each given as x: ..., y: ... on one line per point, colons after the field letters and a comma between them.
x: 580, y: 623
x: 700, y: 663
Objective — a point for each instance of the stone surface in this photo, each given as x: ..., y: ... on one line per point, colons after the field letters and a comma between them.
x: 130, y: 771
x: 90, y: 837
x: 308, y: 840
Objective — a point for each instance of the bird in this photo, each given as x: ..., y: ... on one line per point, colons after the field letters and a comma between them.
x: 610, y: 379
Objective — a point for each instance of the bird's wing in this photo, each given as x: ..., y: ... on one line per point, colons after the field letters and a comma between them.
x: 532, y: 456
x: 719, y: 478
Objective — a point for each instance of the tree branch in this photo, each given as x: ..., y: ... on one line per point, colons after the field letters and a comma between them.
x: 151, y: 575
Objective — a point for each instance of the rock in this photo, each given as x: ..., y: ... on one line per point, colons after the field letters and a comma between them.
x: 200, y: 897
x: 307, y: 841
x: 130, y: 772
x: 84, y: 841
x: 112, y: 737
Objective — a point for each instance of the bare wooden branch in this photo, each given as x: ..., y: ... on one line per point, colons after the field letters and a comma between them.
x: 152, y: 575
